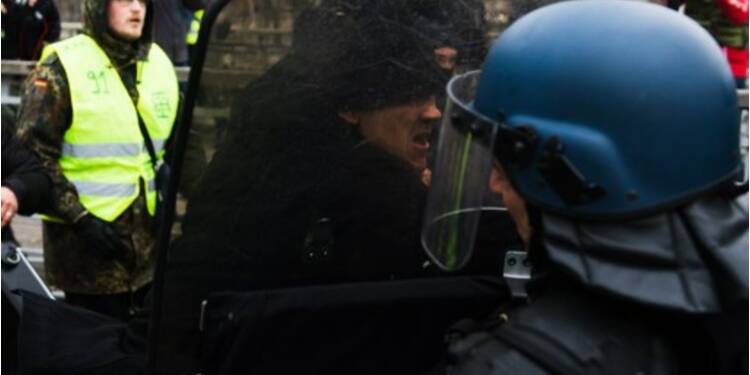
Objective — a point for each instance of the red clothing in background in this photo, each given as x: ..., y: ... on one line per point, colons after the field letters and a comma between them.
x: 736, y: 12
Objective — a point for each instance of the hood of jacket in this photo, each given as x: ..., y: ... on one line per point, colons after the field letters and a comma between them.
x: 692, y: 259
x: 122, y: 53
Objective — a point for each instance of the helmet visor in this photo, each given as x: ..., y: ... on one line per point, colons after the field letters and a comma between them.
x: 460, y: 178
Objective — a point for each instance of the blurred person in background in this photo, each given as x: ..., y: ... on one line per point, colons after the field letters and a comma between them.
x: 458, y: 31
x: 726, y: 20
x: 172, y: 22
x: 27, y: 25
x: 173, y: 28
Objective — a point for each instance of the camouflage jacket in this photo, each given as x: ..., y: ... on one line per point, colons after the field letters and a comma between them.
x: 44, y: 117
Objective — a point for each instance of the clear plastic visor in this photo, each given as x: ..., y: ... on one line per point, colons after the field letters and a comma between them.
x: 458, y: 192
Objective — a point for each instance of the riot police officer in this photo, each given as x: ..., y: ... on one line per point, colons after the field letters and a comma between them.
x: 624, y: 149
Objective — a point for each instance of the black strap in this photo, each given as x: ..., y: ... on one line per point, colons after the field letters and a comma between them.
x: 147, y: 140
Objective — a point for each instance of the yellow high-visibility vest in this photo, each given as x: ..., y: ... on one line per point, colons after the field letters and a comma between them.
x: 103, y: 153
x: 195, y: 26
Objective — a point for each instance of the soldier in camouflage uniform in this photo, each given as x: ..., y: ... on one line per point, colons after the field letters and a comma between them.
x: 102, y: 265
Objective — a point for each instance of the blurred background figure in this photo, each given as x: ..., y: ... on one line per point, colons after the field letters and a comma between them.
x: 27, y: 25
x: 172, y: 24
x: 457, y: 31
x: 192, y: 35
x: 726, y: 20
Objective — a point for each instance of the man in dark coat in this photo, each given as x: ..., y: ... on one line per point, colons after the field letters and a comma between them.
x: 26, y: 188
x: 319, y: 179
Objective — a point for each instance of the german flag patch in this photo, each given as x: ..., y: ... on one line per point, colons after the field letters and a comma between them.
x: 40, y: 83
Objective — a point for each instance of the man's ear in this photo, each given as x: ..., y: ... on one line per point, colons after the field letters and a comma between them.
x: 350, y: 117
x: 498, y: 180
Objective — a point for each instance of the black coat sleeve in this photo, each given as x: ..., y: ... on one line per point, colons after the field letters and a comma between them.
x: 377, y: 210
x: 23, y: 174
x: 52, y: 18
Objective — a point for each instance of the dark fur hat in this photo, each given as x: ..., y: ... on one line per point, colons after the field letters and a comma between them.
x: 368, y: 55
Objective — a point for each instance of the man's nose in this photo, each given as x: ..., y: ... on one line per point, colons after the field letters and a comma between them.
x: 430, y: 112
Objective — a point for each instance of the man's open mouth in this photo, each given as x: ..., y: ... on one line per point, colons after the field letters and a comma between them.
x: 422, y: 139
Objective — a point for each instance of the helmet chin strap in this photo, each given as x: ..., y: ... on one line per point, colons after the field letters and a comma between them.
x: 519, y: 271
x: 739, y: 188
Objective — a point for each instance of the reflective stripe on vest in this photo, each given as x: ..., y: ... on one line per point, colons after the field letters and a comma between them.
x: 103, y: 189
x: 107, y: 150
x: 103, y: 152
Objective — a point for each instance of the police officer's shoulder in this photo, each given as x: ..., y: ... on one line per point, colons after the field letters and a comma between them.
x: 565, y: 333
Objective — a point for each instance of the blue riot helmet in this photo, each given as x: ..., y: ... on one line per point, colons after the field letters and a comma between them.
x: 596, y: 110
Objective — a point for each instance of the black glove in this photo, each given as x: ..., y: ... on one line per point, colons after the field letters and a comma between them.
x: 100, y: 236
